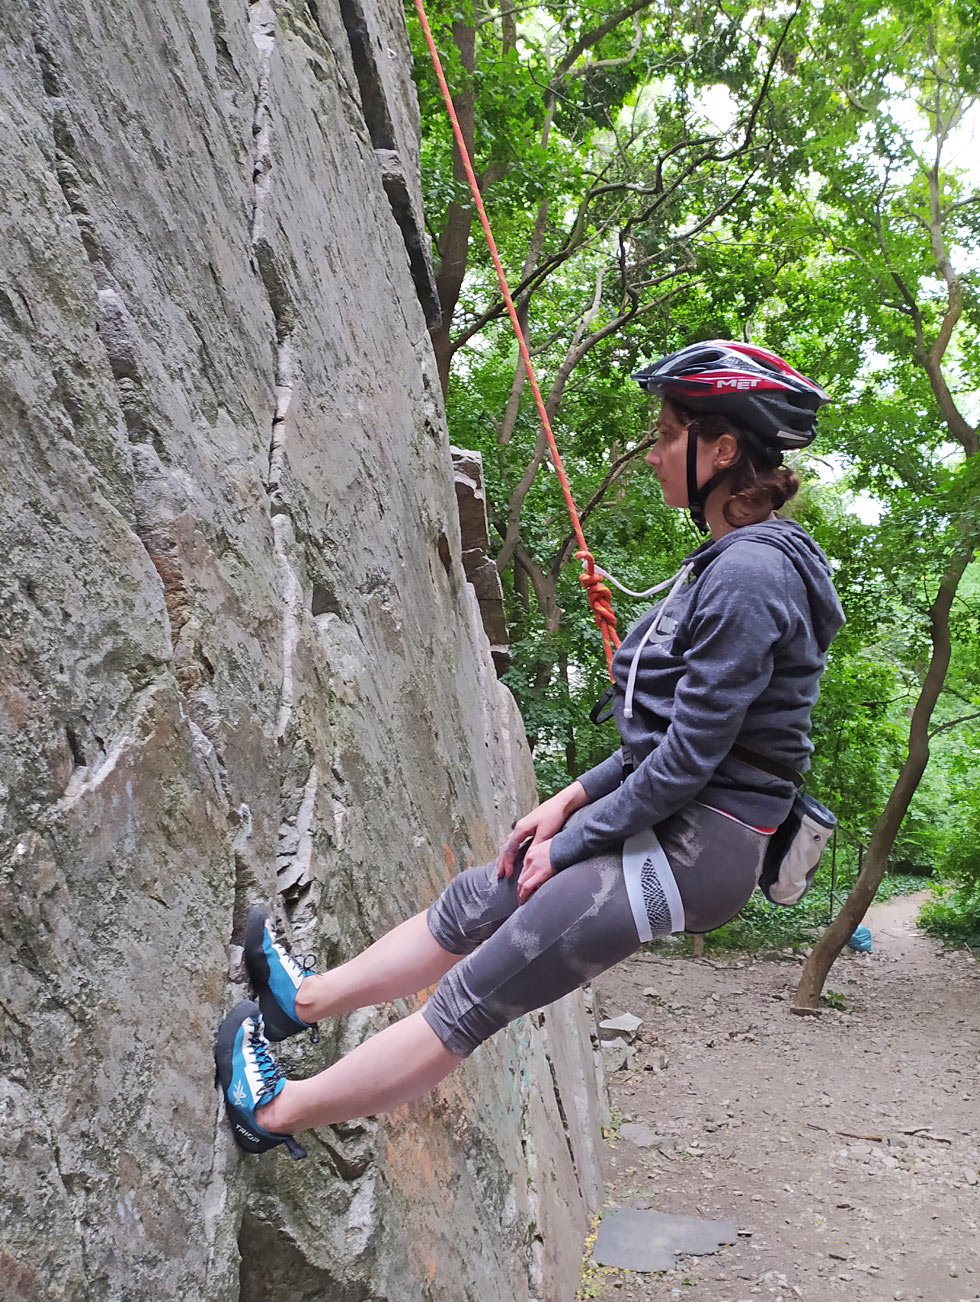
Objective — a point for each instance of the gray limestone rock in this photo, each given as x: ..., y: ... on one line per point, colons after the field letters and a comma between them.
x: 241, y: 664
x: 646, y: 1240
x: 641, y: 1135
x: 623, y: 1023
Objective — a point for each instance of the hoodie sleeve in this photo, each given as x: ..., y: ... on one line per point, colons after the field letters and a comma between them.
x: 741, y: 616
x: 604, y: 777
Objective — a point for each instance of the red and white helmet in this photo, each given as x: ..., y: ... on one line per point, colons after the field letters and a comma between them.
x: 755, y: 388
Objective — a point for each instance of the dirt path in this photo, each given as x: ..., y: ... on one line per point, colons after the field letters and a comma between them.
x: 749, y: 1105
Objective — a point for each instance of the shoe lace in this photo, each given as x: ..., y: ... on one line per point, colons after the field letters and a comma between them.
x: 301, y: 967
x: 307, y: 967
x: 270, y: 1070
x: 309, y: 970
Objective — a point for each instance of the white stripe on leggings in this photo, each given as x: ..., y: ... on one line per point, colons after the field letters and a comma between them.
x: 639, y: 852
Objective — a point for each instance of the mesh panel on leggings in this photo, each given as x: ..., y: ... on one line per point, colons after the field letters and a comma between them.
x: 658, y: 910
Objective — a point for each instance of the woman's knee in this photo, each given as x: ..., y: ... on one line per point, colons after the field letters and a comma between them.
x: 460, y: 1021
x: 471, y: 908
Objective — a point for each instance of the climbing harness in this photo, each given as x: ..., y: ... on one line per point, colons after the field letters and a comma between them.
x: 599, y: 596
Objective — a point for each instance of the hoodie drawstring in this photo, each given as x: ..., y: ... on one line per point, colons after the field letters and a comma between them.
x: 656, y: 631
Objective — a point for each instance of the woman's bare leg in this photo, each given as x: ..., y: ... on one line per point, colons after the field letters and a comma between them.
x: 394, y: 1067
x: 403, y: 962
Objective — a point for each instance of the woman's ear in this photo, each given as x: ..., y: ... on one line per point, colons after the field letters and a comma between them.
x: 725, y: 452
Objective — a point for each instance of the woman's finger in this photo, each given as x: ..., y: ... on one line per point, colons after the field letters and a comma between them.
x: 505, y: 864
x: 505, y: 861
x: 529, y: 881
x: 527, y: 888
x: 503, y: 868
x: 530, y: 864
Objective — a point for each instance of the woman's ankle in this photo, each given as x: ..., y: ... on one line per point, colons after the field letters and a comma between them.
x: 309, y: 1007
x: 270, y: 1115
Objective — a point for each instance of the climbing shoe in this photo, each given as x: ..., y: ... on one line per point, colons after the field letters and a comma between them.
x: 275, y: 977
x: 248, y: 1076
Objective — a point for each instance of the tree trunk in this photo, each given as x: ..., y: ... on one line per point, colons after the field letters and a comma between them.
x: 930, y: 356
x: 571, y: 745
x: 522, y: 588
x: 834, y: 939
x: 454, y: 241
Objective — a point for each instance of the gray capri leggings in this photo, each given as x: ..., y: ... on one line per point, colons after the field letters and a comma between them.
x: 582, y: 920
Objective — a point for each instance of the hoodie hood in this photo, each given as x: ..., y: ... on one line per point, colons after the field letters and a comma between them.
x: 808, y: 560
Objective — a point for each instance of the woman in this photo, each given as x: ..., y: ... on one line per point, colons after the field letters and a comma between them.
x: 666, y: 835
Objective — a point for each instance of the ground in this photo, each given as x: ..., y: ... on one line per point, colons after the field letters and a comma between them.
x: 845, y: 1147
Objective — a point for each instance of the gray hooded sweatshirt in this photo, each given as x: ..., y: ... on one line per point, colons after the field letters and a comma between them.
x: 733, y: 653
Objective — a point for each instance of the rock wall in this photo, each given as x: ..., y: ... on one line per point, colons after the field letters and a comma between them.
x: 478, y: 565
x: 241, y: 663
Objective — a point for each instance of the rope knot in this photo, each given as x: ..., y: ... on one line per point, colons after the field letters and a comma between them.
x: 600, y: 599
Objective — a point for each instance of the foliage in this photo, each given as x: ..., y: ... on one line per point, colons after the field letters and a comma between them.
x: 953, y: 910
x: 764, y: 927
x: 657, y: 175
x: 953, y: 913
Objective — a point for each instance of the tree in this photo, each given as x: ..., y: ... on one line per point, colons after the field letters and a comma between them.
x: 890, y: 219
x: 606, y: 185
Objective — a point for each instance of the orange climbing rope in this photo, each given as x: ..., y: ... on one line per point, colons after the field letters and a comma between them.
x: 600, y: 598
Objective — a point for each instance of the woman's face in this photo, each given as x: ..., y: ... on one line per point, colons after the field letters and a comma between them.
x: 668, y: 456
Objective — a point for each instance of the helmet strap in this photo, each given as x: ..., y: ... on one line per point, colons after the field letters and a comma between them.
x: 695, y: 501
x: 698, y: 496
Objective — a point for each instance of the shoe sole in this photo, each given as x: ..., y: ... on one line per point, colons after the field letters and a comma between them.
x: 278, y: 1024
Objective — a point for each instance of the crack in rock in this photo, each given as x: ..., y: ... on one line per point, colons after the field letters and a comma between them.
x: 284, y: 394
x: 295, y: 852
x: 291, y: 595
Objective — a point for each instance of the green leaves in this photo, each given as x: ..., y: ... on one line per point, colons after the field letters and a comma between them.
x: 808, y: 205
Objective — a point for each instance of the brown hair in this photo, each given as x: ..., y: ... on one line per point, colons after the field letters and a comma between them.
x: 756, y: 485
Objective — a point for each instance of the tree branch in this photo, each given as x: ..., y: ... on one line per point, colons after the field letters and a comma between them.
x: 516, y: 503
x: 961, y: 203
x: 543, y: 585
x: 594, y: 36
x: 766, y: 81
x: 932, y: 357
x: 952, y: 723
x: 613, y: 63
x: 887, y: 302
x: 613, y: 473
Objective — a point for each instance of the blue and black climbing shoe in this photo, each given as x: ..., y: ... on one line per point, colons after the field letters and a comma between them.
x: 275, y: 977
x: 248, y: 1076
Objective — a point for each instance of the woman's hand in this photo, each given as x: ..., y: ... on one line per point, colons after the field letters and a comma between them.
x: 540, y: 825
x: 535, y: 870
